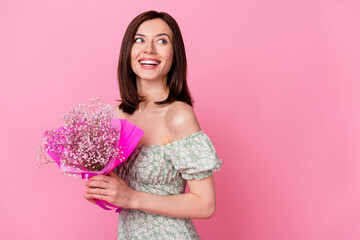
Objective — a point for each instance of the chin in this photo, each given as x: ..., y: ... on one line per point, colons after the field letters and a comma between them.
x: 149, y: 78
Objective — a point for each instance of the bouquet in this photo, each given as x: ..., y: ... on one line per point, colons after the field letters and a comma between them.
x: 92, y: 141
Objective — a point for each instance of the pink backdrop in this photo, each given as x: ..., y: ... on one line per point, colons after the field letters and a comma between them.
x: 276, y: 87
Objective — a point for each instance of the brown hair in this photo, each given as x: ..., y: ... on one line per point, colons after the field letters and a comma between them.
x: 176, y: 77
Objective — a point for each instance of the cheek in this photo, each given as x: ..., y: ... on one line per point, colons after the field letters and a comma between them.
x: 132, y: 62
x: 168, y: 55
x: 169, y: 61
x: 134, y: 53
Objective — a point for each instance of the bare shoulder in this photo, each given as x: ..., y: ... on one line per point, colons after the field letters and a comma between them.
x: 119, y: 112
x: 181, y: 121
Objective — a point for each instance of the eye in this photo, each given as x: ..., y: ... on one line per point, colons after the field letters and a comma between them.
x: 138, y: 40
x: 162, y: 41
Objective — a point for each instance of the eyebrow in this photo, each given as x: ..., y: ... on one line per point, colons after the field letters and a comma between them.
x: 157, y: 35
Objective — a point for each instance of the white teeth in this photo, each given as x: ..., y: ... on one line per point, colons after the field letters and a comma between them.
x: 149, y: 62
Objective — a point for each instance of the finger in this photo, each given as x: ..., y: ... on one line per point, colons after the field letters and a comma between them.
x: 98, y: 184
x: 89, y: 198
x: 112, y: 174
x: 101, y: 197
x: 100, y: 178
x: 99, y: 191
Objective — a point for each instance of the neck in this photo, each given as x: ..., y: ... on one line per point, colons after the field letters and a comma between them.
x: 154, y: 90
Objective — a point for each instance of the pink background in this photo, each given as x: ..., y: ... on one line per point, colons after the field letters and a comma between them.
x: 276, y: 87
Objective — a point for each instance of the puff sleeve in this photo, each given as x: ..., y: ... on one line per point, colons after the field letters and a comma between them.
x: 194, y: 156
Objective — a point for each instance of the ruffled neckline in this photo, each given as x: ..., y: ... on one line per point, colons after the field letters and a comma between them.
x: 172, y: 143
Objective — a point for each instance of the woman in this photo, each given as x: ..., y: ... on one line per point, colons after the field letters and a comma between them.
x: 173, y: 151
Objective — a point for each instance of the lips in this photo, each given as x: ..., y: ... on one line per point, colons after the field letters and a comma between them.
x: 149, y: 62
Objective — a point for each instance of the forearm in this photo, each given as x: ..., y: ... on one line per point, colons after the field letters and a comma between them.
x: 187, y: 205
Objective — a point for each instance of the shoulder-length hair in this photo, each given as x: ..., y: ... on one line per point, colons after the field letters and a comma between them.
x: 176, y: 77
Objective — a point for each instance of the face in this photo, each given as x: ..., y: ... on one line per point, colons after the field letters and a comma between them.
x: 152, y: 50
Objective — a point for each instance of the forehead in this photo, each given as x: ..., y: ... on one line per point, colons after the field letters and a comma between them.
x: 153, y: 27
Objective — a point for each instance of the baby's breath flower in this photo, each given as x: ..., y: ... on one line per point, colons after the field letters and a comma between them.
x: 87, y: 139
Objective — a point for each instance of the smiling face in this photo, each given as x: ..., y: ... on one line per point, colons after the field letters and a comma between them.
x: 152, y: 50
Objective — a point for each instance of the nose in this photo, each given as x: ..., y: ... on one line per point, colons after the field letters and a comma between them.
x: 149, y: 48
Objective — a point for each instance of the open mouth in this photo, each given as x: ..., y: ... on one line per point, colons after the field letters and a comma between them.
x: 149, y: 62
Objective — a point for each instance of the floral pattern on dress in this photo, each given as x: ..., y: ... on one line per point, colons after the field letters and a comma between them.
x: 164, y: 170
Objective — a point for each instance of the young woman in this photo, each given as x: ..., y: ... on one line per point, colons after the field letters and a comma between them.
x: 173, y: 152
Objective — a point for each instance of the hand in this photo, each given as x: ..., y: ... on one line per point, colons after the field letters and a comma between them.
x: 110, y: 188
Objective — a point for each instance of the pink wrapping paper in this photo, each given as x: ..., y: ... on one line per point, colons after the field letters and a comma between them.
x: 130, y: 135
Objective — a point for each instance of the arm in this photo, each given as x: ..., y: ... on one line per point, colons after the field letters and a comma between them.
x: 198, y: 203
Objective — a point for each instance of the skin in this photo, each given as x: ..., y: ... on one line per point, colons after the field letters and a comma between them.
x: 162, y: 125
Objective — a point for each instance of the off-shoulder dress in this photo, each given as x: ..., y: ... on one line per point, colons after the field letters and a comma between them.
x: 164, y: 169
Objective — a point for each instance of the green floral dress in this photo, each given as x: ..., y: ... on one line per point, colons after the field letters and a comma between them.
x: 164, y: 170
